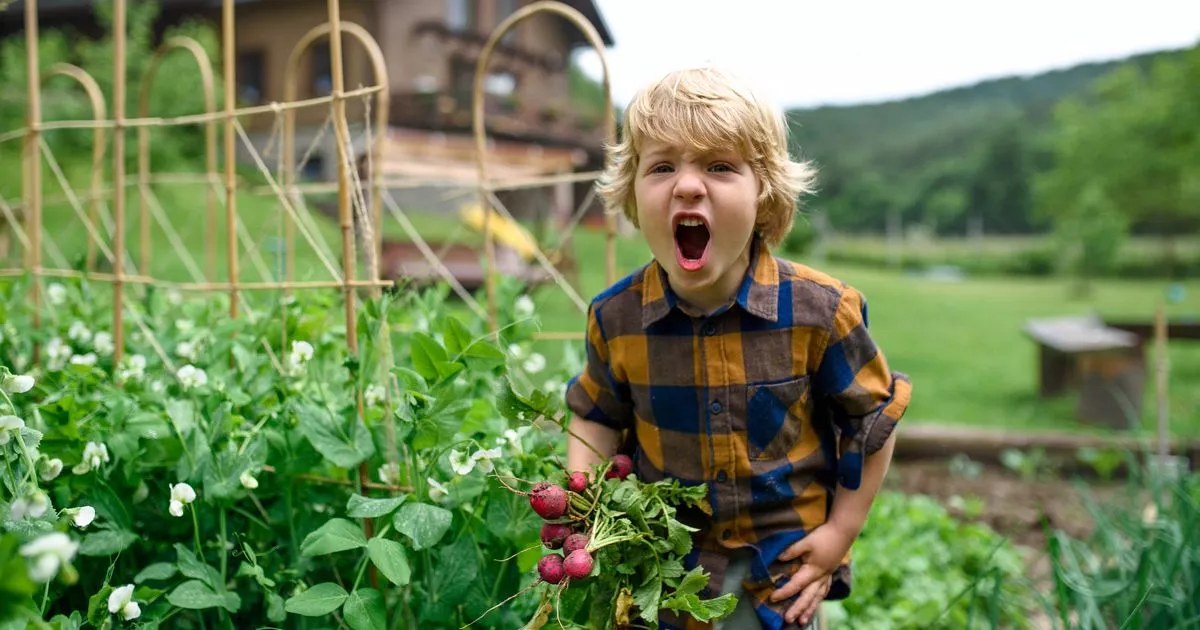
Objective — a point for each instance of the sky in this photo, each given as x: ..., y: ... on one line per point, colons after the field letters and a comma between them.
x: 803, y: 53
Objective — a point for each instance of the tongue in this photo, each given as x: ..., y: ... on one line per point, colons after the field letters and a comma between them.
x: 692, y: 241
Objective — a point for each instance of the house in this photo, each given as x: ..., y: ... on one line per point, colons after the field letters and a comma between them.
x: 431, y: 48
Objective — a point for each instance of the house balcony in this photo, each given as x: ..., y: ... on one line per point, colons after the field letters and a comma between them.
x: 504, y: 117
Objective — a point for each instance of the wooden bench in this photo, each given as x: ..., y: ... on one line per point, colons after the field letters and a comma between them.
x: 1106, y: 365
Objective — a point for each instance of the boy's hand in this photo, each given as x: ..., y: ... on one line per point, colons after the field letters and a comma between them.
x: 822, y: 551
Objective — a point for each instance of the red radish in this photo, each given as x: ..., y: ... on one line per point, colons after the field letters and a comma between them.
x: 553, y: 534
x: 575, y: 542
x: 550, y: 568
x: 578, y: 565
x: 548, y: 500
x: 577, y: 482
x: 622, y: 466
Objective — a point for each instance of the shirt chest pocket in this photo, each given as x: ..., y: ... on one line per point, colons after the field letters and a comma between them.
x: 776, y: 416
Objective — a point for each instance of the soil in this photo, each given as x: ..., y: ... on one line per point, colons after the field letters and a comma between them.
x: 1017, y: 508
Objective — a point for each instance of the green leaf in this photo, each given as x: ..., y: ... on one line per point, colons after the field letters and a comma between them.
x: 196, y: 595
x: 456, y: 335
x: 426, y: 354
x: 422, y: 523
x: 391, y: 560
x: 193, y: 567
x: 702, y: 609
x: 693, y: 582
x: 364, y: 507
x: 345, y: 445
x: 98, y: 606
x: 364, y: 610
x: 156, y: 571
x: 335, y: 535
x: 275, y: 610
x: 317, y: 601
x: 648, y: 595
x: 106, y: 542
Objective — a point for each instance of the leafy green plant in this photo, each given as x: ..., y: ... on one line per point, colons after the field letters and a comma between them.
x: 1140, y: 567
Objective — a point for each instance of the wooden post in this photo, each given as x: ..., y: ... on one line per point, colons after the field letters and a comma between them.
x: 119, y: 88
x: 33, y: 166
x: 1160, y: 373
x: 230, y: 71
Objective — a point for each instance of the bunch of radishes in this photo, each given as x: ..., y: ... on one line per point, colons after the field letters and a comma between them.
x: 566, y: 512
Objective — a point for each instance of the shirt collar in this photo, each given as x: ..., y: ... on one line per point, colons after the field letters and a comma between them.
x: 757, y: 295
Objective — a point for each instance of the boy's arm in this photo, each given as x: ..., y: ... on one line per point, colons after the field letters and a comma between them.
x: 869, y: 400
x: 581, y: 457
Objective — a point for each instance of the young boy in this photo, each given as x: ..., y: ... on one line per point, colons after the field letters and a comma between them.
x: 717, y: 363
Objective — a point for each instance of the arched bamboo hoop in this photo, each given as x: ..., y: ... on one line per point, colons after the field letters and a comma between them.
x: 32, y: 161
x: 575, y: 17
x: 120, y: 38
x: 99, y: 113
x: 379, y: 68
x: 210, y: 147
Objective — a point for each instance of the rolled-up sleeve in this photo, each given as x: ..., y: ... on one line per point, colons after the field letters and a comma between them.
x: 868, y: 399
x: 595, y: 393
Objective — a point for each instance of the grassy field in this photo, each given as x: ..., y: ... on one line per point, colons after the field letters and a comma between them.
x: 960, y: 341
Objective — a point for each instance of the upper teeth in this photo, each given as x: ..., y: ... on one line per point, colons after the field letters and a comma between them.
x: 690, y: 222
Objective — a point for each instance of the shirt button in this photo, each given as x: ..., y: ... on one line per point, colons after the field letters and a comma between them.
x: 727, y: 534
x: 722, y: 476
x: 715, y: 406
x: 710, y: 329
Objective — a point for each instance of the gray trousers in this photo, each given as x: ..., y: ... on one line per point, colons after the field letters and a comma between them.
x: 744, y: 617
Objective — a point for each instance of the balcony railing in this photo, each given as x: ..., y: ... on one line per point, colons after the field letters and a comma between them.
x: 451, y: 112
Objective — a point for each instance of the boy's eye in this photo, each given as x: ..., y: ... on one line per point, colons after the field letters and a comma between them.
x: 660, y: 168
x: 722, y: 167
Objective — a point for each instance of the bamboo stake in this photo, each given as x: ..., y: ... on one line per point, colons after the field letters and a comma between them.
x: 196, y: 50
x: 344, y: 213
x: 119, y: 40
x: 1161, y: 372
x: 33, y: 166
x: 230, y: 71
x: 571, y: 15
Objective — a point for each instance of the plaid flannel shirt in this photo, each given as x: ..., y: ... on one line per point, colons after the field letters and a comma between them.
x: 771, y: 401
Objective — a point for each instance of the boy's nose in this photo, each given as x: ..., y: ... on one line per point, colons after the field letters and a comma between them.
x: 688, y: 186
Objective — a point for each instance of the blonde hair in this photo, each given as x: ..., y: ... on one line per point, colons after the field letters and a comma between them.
x: 707, y: 109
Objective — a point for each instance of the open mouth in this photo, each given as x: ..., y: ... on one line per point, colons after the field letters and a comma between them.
x: 691, y: 242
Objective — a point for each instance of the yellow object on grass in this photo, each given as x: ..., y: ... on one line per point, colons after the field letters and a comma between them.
x: 506, y: 231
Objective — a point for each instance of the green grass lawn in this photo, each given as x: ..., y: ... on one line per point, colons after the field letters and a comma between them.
x: 961, y: 342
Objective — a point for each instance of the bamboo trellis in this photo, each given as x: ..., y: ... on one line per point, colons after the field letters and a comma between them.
x: 106, y: 226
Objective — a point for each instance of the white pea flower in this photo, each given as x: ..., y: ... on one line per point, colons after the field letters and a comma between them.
x: 133, y: 367
x: 158, y: 387
x: 79, y: 332
x: 18, y: 383
x: 57, y: 354
x: 49, y: 553
x: 94, y: 454
x: 461, y: 463
x: 248, y: 480
x: 373, y: 395
x: 103, y: 343
x: 84, y: 359
x: 39, y: 503
x: 512, y: 437
x: 514, y: 350
x: 301, y: 354
x: 523, y: 307
x: 181, y: 494
x: 81, y: 517
x: 56, y: 294
x: 121, y: 600
x: 389, y: 473
x: 483, y: 459
x: 552, y: 386
x: 535, y: 363
x: 191, y: 376
x: 186, y: 350
x: 184, y: 325
x: 174, y: 297
x: 50, y: 469
x: 437, y: 491
x: 8, y: 426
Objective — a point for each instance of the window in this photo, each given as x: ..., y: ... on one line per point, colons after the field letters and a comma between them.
x: 461, y: 14
x: 250, y: 71
x: 322, y: 69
